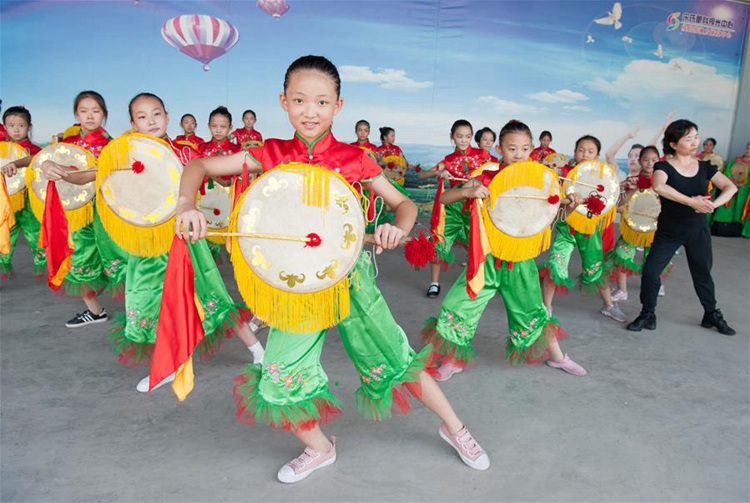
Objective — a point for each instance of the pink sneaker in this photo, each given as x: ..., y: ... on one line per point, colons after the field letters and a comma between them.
x: 568, y: 366
x: 446, y: 371
x: 309, y: 461
x: 470, y: 451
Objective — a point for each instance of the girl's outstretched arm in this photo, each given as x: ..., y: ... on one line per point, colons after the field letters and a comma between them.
x: 388, y: 236
x: 663, y: 128
x: 471, y: 189
x: 612, y: 152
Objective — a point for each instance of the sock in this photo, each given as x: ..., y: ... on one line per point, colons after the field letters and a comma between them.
x: 257, y: 351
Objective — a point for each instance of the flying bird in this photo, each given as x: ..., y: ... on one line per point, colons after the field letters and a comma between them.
x: 627, y: 39
x: 659, y: 52
x: 590, y: 39
x: 613, y: 17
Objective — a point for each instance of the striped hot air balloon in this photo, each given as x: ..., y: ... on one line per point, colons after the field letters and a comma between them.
x: 274, y: 8
x: 201, y: 37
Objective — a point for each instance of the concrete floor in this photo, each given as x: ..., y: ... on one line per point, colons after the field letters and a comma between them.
x: 661, y: 416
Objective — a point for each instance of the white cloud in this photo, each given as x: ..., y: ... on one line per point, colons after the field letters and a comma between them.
x: 577, y: 108
x: 507, y: 107
x: 559, y: 96
x: 388, y: 78
x: 655, y: 80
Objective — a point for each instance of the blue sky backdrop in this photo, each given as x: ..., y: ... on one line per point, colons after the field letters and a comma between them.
x: 414, y: 65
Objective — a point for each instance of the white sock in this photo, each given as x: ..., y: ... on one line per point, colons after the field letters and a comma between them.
x: 257, y: 351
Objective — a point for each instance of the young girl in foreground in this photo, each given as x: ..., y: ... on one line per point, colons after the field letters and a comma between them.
x: 377, y: 346
x: 133, y: 335
x: 17, y: 123
x: 533, y: 331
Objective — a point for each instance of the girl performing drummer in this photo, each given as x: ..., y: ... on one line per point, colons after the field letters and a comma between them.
x: 534, y: 332
x: 485, y: 139
x: 381, y: 216
x: 554, y: 271
x: 543, y: 150
x: 97, y: 262
x: 392, y: 156
x: 248, y: 134
x: 17, y: 123
x: 376, y: 345
x: 188, y: 125
x: 362, y: 130
x: 455, y: 168
x: 133, y: 334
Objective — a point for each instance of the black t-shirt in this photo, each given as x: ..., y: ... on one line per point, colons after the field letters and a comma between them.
x: 674, y: 214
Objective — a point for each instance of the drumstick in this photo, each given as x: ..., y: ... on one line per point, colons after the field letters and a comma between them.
x: 311, y: 239
x: 599, y: 187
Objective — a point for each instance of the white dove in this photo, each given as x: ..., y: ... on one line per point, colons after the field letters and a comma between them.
x: 627, y: 39
x: 590, y: 39
x: 659, y: 52
x: 613, y: 18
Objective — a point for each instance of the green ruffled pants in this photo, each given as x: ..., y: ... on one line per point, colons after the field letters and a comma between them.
x: 622, y: 259
x: 113, y: 258
x: 133, y: 333
x: 27, y: 223
x: 593, y: 276
x: 530, y: 325
x: 290, y: 390
x: 456, y: 231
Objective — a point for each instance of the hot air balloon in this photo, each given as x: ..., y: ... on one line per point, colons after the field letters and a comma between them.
x: 274, y: 8
x: 201, y: 37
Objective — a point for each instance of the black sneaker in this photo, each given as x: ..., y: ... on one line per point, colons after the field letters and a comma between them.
x: 716, y: 320
x: 433, y: 290
x: 644, y: 320
x: 87, y: 318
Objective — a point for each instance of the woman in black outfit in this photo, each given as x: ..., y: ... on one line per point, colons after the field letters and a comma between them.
x: 682, y: 185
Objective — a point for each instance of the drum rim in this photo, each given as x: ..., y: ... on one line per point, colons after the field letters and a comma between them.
x: 32, y: 168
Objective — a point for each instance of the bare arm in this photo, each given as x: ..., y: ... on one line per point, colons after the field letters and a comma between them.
x: 701, y: 204
x: 12, y: 168
x: 188, y: 216
x: 388, y: 236
x: 471, y: 189
x: 726, y: 186
x: 663, y: 128
x: 612, y: 152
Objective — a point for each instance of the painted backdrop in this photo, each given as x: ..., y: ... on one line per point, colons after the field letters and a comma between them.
x: 573, y: 67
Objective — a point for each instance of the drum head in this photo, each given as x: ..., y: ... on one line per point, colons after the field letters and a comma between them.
x: 395, y: 167
x: 72, y: 196
x: 642, y: 211
x: 275, y: 204
x: 555, y: 161
x: 251, y: 143
x: 715, y: 159
x: 216, y: 206
x: 523, y: 216
x: 10, y: 152
x: 144, y: 187
x: 589, y: 175
x: 738, y: 173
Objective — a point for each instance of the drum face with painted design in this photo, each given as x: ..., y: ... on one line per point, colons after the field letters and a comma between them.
x: 11, y: 152
x: 585, y: 178
x: 216, y: 206
x: 275, y: 204
x: 641, y: 213
x: 395, y: 167
x: 738, y: 173
x: 143, y: 190
x: 524, y: 216
x: 72, y: 196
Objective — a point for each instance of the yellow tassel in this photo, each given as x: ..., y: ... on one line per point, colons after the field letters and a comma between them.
x: 292, y: 312
x: 510, y: 248
x: 635, y: 238
x: 582, y: 223
x: 142, y: 241
x: 18, y: 201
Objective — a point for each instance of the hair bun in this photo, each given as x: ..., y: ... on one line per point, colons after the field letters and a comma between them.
x: 222, y: 108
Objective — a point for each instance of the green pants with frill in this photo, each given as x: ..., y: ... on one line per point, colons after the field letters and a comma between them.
x: 531, y: 327
x: 623, y: 259
x: 133, y: 333
x: 290, y: 390
x: 27, y: 223
x: 456, y: 231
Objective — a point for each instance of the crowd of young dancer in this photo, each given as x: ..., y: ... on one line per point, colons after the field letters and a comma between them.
x: 286, y: 385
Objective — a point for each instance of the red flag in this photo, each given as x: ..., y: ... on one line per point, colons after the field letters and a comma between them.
x: 437, y: 211
x: 475, y: 267
x: 179, y: 330
x: 56, y: 238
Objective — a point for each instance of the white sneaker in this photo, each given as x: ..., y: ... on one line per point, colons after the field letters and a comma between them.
x: 614, y: 312
x: 143, y: 383
x: 662, y: 292
x: 309, y: 461
x: 618, y: 295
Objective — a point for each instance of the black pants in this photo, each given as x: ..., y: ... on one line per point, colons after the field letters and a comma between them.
x: 697, y: 243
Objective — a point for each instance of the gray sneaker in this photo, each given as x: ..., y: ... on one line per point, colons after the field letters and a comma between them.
x: 614, y: 312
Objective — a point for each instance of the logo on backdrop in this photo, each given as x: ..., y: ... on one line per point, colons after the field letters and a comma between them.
x: 690, y: 22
